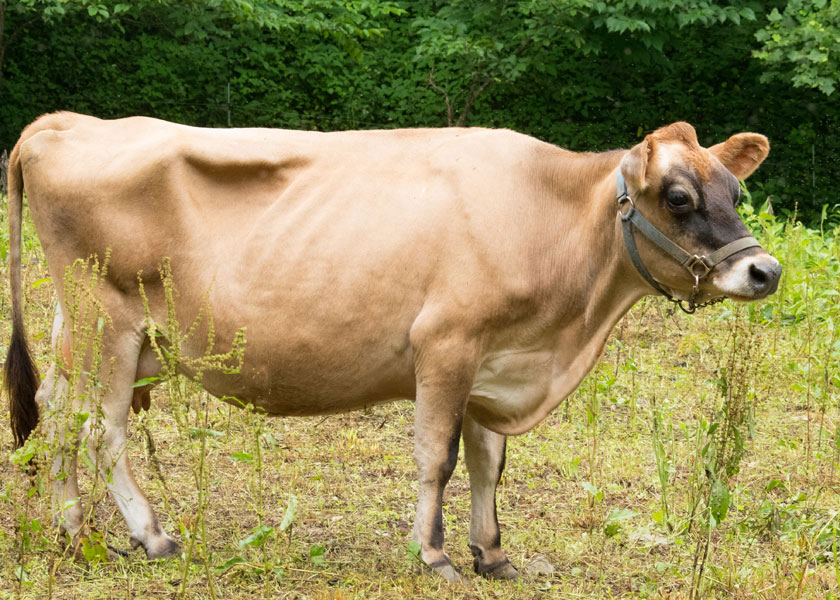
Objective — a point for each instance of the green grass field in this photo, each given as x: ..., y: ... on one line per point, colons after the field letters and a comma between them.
x: 699, y: 458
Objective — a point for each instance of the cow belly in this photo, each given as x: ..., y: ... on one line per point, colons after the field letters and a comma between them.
x: 314, y: 366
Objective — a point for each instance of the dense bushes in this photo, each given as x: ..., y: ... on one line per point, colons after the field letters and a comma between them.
x: 303, y: 78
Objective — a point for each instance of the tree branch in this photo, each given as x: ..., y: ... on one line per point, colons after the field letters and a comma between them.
x: 449, y: 110
x: 472, y: 96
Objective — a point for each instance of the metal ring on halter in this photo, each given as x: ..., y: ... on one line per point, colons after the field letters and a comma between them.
x: 700, y: 261
x: 624, y: 201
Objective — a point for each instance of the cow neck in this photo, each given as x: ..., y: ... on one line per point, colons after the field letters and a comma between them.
x: 612, y: 285
x: 617, y: 285
x: 591, y: 290
x: 592, y: 280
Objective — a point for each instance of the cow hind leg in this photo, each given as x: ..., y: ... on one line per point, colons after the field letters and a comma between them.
x: 144, y: 527
x: 67, y: 504
x: 105, y: 441
x: 52, y: 398
x: 484, y: 453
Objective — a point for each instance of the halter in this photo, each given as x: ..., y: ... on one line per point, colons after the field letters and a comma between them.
x: 698, y: 266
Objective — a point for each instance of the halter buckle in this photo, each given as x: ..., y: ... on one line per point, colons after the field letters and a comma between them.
x: 698, y: 267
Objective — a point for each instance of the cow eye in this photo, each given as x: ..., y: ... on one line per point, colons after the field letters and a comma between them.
x: 678, y: 200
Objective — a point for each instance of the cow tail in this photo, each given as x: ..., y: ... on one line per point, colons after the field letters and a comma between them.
x: 21, y: 378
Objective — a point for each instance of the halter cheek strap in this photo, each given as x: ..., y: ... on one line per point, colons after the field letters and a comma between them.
x: 698, y: 266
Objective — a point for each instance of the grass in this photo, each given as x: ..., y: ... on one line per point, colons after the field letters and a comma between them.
x: 619, y: 489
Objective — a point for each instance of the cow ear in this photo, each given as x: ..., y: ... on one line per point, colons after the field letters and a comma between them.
x: 634, y: 165
x: 742, y: 153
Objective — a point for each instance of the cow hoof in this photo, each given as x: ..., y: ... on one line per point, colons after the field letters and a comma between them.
x: 502, y: 569
x: 116, y: 553
x: 81, y: 544
x: 90, y: 540
x: 166, y: 547
x: 445, y: 569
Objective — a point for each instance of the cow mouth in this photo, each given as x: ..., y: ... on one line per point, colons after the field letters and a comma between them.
x: 712, y: 294
x: 745, y: 298
x: 704, y: 296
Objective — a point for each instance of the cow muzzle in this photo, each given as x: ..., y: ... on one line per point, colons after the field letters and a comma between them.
x: 750, y: 277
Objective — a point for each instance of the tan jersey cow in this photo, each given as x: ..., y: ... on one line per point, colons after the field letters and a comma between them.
x: 476, y: 271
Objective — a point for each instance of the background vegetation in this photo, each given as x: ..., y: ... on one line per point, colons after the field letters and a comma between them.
x: 698, y: 460
x: 585, y: 74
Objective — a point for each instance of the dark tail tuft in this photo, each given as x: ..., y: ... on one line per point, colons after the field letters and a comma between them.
x: 21, y: 375
x: 21, y: 380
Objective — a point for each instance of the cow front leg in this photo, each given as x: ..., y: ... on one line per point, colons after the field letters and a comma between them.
x: 442, y: 392
x: 437, y: 433
x: 484, y: 453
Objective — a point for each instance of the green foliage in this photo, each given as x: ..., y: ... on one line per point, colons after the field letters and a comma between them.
x: 258, y: 537
x: 584, y: 74
x: 802, y: 44
x: 467, y: 46
x: 316, y: 554
x: 654, y: 22
x: 289, y: 514
x: 614, y: 520
x: 205, y: 19
x: 663, y: 466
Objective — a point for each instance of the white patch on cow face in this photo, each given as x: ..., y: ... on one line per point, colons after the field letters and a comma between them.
x: 667, y: 155
x: 749, y: 278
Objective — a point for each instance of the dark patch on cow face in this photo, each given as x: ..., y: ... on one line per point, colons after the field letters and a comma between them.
x: 703, y: 211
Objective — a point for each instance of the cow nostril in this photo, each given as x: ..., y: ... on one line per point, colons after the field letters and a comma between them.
x: 759, y: 275
x: 764, y: 275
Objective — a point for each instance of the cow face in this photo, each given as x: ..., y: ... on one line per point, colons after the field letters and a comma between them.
x: 690, y: 193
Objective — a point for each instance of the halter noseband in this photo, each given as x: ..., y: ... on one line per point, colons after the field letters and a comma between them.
x: 698, y: 266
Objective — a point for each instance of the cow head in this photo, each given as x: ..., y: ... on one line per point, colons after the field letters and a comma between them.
x: 689, y: 193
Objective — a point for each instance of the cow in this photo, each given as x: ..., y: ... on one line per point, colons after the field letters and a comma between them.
x: 476, y: 271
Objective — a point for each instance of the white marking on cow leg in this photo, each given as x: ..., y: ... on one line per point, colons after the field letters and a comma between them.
x: 442, y: 392
x: 139, y: 516
x: 66, y: 499
x: 53, y: 398
x: 109, y: 452
x: 484, y: 453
